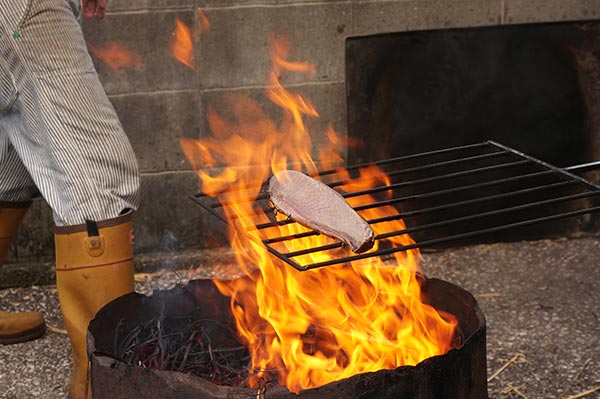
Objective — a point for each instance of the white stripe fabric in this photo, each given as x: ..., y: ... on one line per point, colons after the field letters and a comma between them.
x: 61, y: 135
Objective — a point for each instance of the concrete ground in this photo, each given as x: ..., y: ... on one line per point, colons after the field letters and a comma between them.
x: 541, y: 300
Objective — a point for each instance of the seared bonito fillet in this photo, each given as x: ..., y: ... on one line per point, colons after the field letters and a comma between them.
x: 317, y: 206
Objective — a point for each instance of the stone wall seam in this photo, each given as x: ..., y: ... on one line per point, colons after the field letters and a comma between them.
x: 284, y: 5
x: 261, y: 87
x: 149, y: 10
x: 151, y: 93
x: 390, y: 1
x: 166, y: 172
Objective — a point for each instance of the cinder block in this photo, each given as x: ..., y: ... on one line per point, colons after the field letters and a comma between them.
x: 399, y: 16
x: 34, y: 242
x: 521, y: 11
x: 155, y: 122
x: 149, y: 35
x: 169, y: 220
x: 328, y: 100
x: 235, y: 52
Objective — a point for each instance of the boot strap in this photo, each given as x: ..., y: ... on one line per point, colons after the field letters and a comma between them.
x: 94, y: 243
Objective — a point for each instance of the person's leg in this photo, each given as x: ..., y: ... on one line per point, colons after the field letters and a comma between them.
x: 63, y: 126
x: 94, y: 265
x: 21, y: 326
x: 68, y: 136
x: 16, y: 191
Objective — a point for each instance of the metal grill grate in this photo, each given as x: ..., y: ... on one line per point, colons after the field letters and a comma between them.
x: 442, y: 196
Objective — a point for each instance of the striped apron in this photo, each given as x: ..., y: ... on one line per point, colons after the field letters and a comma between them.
x: 59, y: 134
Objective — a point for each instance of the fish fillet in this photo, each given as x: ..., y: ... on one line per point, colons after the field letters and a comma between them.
x: 317, y: 206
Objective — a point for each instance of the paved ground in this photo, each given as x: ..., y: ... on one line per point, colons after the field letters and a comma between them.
x: 541, y: 300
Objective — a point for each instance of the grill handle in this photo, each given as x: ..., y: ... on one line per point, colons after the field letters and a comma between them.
x: 584, y: 167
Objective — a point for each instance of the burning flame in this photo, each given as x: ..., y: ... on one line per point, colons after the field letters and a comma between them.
x: 182, y: 45
x: 117, y: 56
x: 313, y: 327
x: 203, y: 24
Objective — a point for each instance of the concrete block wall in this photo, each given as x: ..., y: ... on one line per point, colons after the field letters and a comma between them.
x: 166, y: 100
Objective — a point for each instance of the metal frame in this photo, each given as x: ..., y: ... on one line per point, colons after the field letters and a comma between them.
x: 478, y: 163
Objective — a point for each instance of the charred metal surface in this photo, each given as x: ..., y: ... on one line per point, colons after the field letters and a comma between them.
x: 459, y: 374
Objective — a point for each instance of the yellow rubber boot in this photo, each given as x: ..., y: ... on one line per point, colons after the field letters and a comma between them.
x: 16, y: 327
x: 94, y: 265
x: 20, y: 327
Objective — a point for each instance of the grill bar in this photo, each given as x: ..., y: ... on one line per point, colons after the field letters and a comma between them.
x: 441, y: 223
x: 422, y: 211
x: 447, y: 195
x: 263, y: 196
x: 434, y: 209
x: 441, y: 240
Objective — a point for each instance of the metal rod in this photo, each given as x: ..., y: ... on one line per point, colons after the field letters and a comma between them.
x: 265, y: 225
x: 423, y: 210
x: 428, y: 243
x: 473, y: 201
x: 376, y: 163
x: 448, y: 222
x: 434, y: 179
x: 519, y: 154
x: 485, y: 214
x: 453, y: 190
x: 478, y: 164
x: 407, y: 183
x: 583, y: 167
x: 433, y: 166
x: 263, y: 196
x: 224, y: 203
x: 407, y: 157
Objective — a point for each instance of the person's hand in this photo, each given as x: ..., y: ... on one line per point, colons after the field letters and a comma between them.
x: 91, y: 8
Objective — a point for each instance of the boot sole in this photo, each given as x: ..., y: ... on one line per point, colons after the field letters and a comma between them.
x: 25, y: 336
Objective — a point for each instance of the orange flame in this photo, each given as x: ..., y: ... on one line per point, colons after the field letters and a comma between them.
x: 117, y: 56
x: 182, y: 45
x: 203, y: 23
x: 321, y: 325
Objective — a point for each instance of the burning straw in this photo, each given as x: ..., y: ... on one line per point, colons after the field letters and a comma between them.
x: 204, y: 348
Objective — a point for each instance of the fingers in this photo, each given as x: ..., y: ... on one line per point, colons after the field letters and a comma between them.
x: 84, y: 6
x: 88, y: 8
x: 101, y: 9
x: 95, y: 8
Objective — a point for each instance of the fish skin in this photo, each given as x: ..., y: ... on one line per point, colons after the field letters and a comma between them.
x: 317, y: 206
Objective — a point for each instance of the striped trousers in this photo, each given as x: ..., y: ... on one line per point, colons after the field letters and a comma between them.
x: 59, y: 134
